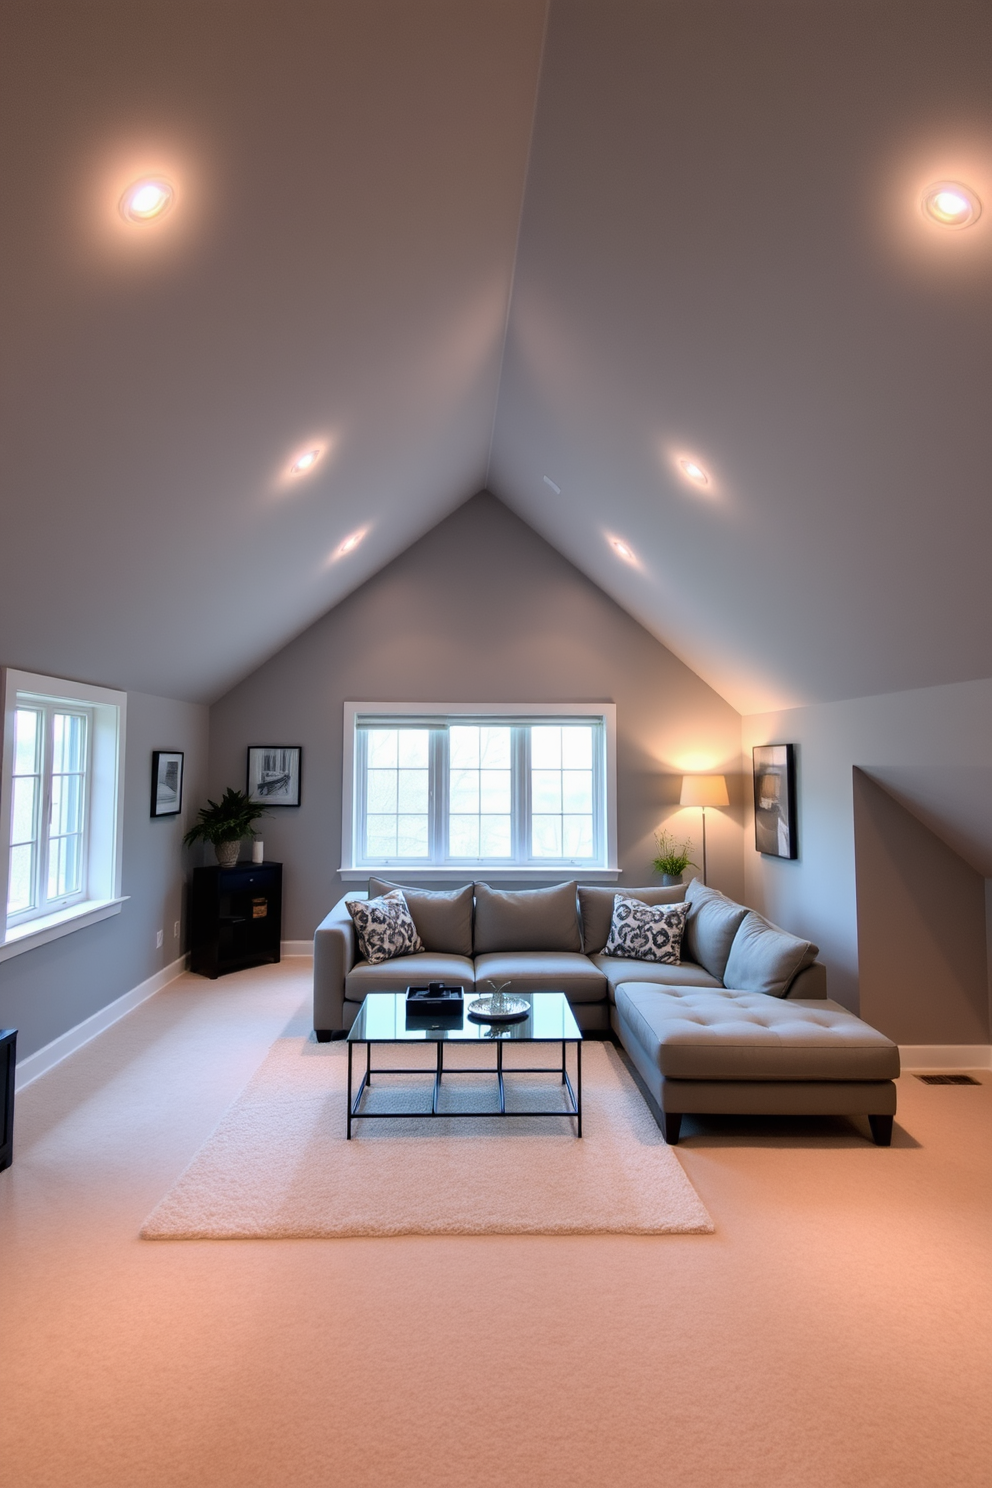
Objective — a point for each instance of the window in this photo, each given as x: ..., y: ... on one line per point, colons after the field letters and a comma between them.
x: 60, y: 807
x: 438, y: 788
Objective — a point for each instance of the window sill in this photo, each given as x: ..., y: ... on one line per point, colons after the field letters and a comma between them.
x: 469, y: 873
x: 31, y: 933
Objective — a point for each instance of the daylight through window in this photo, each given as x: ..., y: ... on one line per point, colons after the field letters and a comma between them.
x: 451, y: 790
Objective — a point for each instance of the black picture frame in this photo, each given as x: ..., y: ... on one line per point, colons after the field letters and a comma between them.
x: 275, y: 773
x: 774, y: 769
x: 167, y: 782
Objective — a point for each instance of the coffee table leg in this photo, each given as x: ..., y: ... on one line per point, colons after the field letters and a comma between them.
x: 350, y: 1048
x: 563, y: 1048
x: 578, y: 1084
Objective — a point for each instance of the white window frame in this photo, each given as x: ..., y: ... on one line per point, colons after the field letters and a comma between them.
x: 101, y: 898
x: 352, y: 870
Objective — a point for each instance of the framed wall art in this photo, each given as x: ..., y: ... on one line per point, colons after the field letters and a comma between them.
x: 775, y: 800
x: 274, y: 774
x: 167, y: 782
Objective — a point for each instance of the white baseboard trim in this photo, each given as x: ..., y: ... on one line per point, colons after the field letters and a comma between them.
x: 42, y: 1060
x: 296, y: 948
x: 945, y: 1056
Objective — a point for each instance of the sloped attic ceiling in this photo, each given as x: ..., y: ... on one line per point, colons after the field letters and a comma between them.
x: 335, y: 273
x: 721, y: 256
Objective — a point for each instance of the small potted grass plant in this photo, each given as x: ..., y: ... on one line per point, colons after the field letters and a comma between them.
x: 224, y: 823
x: 673, y: 857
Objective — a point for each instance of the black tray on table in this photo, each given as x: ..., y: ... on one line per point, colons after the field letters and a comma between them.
x: 435, y: 1006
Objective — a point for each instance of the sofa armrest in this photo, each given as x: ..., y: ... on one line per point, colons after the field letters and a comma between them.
x: 810, y: 982
x: 333, y: 957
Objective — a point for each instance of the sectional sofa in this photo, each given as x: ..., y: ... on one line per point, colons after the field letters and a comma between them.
x: 741, y: 1025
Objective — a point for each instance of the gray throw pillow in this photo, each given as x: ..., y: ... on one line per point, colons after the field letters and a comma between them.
x: 443, y: 918
x: 384, y: 927
x: 596, y: 906
x: 526, y: 920
x: 647, y: 932
x: 764, y: 958
x: 713, y: 922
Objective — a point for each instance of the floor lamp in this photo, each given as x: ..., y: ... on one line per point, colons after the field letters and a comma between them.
x: 704, y: 790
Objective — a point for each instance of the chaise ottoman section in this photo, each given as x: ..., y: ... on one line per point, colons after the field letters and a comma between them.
x: 718, y: 1050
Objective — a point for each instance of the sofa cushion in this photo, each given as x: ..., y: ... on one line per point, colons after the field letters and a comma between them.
x: 408, y: 971
x: 617, y: 969
x: 596, y: 907
x: 385, y: 928
x: 543, y: 971
x: 691, y: 1034
x: 647, y: 932
x: 443, y: 919
x: 713, y: 922
x: 526, y: 920
x: 764, y: 958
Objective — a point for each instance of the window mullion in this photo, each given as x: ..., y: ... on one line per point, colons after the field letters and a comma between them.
x: 437, y: 796
x: 521, y: 793
x: 45, y: 808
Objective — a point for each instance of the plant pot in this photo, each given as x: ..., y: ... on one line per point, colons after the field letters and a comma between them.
x: 228, y: 852
x: 670, y: 879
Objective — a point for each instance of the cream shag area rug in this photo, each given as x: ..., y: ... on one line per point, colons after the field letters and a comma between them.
x: 279, y: 1166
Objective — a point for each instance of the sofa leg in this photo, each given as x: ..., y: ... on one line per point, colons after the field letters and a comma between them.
x: 673, y: 1125
x: 881, y: 1130
x: 325, y: 1035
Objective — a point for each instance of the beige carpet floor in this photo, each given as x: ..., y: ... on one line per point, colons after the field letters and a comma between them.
x: 833, y: 1332
x: 279, y: 1164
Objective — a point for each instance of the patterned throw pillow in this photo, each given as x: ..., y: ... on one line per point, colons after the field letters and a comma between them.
x: 646, y: 932
x: 385, y: 927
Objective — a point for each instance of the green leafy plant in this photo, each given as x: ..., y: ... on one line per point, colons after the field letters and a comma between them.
x: 226, y: 820
x: 673, y: 857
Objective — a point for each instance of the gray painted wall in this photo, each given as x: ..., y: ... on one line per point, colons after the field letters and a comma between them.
x: 922, y: 960
x: 47, y: 991
x: 935, y: 745
x: 479, y: 610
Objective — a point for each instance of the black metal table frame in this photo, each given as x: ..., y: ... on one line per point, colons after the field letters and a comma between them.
x: 573, y: 1097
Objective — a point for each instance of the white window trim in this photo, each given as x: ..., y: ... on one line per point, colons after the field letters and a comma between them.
x: 104, y: 898
x: 553, y: 873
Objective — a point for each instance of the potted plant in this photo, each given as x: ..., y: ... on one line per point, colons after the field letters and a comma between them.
x: 224, y: 823
x: 673, y: 857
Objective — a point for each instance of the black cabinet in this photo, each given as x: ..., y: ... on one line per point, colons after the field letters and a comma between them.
x: 235, y: 917
x: 8, y: 1059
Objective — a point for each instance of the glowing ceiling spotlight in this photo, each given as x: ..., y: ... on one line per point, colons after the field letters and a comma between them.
x: 305, y: 462
x: 950, y: 204
x: 147, y: 199
x: 622, y: 551
x: 695, y: 472
x: 350, y: 544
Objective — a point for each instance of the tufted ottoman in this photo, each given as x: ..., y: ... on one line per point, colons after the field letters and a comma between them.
x: 713, y: 1050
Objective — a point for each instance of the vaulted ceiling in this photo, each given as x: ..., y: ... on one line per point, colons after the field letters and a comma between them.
x: 461, y: 244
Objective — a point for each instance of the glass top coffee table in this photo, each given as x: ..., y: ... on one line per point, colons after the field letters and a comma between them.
x: 382, y: 1019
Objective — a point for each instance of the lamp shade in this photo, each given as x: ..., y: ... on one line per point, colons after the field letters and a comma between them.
x: 704, y: 790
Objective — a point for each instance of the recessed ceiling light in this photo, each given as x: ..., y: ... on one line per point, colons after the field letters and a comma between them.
x: 349, y: 544
x: 951, y: 204
x: 305, y: 462
x: 694, y: 472
x: 147, y: 199
x: 622, y: 550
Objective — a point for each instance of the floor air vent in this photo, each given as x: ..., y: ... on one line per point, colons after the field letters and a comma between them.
x: 948, y: 1080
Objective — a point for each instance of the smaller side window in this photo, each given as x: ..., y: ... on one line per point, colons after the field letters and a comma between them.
x: 61, y: 806
x: 48, y: 818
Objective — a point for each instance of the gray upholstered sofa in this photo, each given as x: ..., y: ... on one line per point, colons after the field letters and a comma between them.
x: 741, y: 1025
